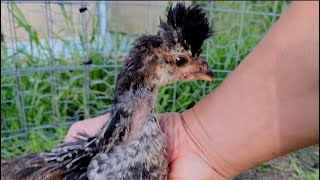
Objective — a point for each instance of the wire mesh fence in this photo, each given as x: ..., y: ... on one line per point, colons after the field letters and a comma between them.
x: 60, y: 60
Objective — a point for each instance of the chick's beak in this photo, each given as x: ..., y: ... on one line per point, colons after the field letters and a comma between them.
x: 203, y: 71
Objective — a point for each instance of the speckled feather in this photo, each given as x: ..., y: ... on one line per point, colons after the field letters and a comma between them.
x: 131, y: 144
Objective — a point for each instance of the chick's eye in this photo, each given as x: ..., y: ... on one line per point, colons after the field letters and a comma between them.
x: 180, y: 61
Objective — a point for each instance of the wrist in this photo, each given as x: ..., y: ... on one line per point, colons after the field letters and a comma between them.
x: 201, y: 140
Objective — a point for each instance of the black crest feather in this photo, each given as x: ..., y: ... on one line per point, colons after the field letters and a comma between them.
x: 191, y: 25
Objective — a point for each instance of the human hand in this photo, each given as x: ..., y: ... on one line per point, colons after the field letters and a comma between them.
x: 185, y: 158
x: 88, y: 127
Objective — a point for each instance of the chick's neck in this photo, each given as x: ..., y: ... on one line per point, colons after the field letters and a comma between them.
x: 135, y: 100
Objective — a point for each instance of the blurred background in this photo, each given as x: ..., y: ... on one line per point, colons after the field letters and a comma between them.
x: 60, y: 60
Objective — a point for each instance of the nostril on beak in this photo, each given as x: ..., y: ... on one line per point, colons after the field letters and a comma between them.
x: 204, y: 65
x: 201, y: 61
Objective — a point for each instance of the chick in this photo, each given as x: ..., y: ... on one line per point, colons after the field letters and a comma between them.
x: 131, y: 144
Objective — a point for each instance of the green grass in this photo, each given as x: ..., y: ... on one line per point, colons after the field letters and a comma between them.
x: 231, y: 43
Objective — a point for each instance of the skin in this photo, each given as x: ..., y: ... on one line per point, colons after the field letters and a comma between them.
x: 267, y: 107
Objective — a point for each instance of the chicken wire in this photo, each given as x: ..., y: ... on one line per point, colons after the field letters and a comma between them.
x: 64, y: 70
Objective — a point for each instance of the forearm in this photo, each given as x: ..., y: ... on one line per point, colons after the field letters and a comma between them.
x: 269, y: 105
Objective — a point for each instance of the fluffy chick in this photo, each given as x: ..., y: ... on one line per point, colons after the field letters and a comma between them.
x: 131, y: 145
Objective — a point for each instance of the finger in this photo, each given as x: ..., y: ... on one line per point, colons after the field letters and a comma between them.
x: 74, y: 137
x: 86, y: 128
x: 70, y: 138
x: 80, y: 137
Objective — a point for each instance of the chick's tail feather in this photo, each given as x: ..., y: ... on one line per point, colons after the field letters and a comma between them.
x: 67, y: 162
x: 31, y: 166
